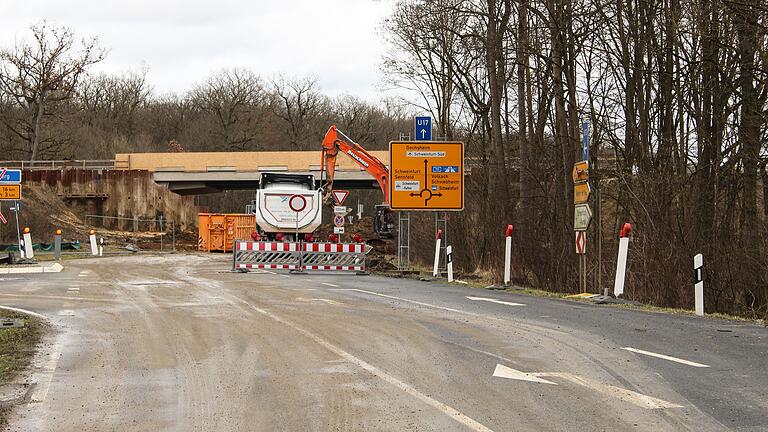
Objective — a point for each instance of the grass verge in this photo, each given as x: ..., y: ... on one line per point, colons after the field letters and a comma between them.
x: 17, y: 347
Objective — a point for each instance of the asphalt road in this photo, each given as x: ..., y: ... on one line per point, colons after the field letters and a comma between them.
x: 177, y: 343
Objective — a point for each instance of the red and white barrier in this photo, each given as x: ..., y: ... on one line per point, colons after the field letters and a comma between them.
x: 621, y: 262
x: 508, y: 255
x: 299, y: 256
x: 438, y: 239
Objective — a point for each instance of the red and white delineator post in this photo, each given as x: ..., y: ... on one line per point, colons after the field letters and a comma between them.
x: 438, y: 239
x: 621, y: 263
x: 28, y: 251
x: 508, y: 255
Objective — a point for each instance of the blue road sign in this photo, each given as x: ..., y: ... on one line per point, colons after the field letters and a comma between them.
x: 11, y: 176
x: 585, y: 141
x: 423, y: 126
x: 445, y: 169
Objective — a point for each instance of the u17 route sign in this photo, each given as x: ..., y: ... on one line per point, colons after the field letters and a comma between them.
x: 426, y: 175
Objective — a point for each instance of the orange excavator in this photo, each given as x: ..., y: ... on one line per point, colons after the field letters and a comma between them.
x: 335, y: 141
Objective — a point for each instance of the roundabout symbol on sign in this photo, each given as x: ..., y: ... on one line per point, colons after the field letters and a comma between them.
x: 297, y: 203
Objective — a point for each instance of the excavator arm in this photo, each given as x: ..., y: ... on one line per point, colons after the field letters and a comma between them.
x: 334, y: 142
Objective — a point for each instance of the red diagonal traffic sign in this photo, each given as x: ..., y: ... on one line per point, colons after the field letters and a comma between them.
x: 2, y: 218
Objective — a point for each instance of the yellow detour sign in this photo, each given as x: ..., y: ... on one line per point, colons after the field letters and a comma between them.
x: 581, y: 193
x: 580, y: 171
x: 426, y: 175
x: 10, y: 192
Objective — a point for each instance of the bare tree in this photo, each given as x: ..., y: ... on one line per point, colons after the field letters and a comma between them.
x: 39, y: 76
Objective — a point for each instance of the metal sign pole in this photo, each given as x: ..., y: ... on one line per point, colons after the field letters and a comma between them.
x: 18, y: 234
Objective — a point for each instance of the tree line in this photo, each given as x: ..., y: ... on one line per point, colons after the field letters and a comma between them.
x: 675, y: 92
x: 53, y: 106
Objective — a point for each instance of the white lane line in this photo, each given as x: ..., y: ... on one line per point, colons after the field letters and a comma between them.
x: 408, y: 301
x: 373, y: 370
x: 73, y: 289
x: 330, y: 284
x: 24, y: 311
x: 666, y: 357
x: 270, y: 272
x: 495, y: 301
x: 285, y: 276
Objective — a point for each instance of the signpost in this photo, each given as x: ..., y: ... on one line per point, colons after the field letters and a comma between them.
x: 10, y: 190
x: 426, y: 175
x: 297, y: 203
x: 423, y: 128
x: 582, y: 214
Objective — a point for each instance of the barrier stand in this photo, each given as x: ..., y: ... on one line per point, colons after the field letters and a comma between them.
x: 28, y: 250
x: 508, y: 255
x: 92, y: 241
x: 621, y: 262
x: 449, y: 262
x: 698, y: 269
x: 305, y: 256
x: 438, y: 238
x: 57, y: 245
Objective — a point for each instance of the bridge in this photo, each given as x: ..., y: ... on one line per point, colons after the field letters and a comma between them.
x: 194, y: 173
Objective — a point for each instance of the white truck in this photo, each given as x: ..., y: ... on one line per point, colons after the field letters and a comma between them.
x: 272, y: 205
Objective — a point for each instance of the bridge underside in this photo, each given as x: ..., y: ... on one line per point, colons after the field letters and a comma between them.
x: 197, y: 183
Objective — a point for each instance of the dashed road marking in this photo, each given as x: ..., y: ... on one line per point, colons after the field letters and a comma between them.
x: 45, y: 377
x: 490, y: 300
x: 666, y: 357
x: 285, y: 276
x: 373, y: 370
x: 73, y: 289
x: 330, y: 284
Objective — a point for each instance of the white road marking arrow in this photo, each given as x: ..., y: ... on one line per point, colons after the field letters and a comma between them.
x: 507, y: 372
x: 635, y: 398
x: 495, y: 301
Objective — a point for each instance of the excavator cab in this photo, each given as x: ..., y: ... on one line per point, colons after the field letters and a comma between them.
x: 384, y: 221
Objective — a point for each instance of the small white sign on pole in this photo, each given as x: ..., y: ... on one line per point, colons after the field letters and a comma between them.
x: 621, y: 267
x: 449, y: 262
x: 698, y: 268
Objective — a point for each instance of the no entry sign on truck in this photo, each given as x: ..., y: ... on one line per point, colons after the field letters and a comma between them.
x: 426, y: 175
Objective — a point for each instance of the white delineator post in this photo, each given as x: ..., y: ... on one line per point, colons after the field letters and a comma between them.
x: 28, y: 252
x: 92, y: 241
x: 508, y: 255
x: 698, y: 268
x: 621, y: 263
x: 438, y: 239
x: 449, y: 262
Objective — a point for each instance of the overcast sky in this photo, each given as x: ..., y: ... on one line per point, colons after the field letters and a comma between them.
x: 184, y: 41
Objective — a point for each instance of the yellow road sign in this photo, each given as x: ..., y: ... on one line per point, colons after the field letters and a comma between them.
x: 426, y: 175
x: 581, y: 192
x: 580, y: 171
x: 10, y: 192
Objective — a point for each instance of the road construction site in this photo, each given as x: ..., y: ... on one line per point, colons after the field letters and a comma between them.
x: 180, y: 342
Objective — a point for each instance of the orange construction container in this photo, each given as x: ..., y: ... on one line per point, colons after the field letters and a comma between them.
x: 218, y: 231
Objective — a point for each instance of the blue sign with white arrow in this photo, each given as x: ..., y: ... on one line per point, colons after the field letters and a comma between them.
x: 10, y: 176
x: 423, y: 127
